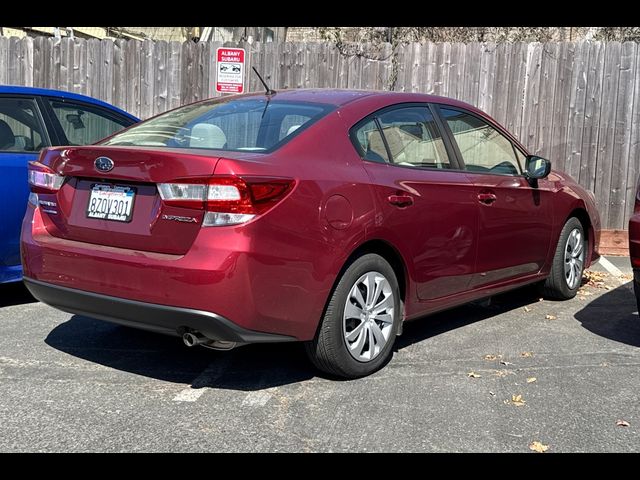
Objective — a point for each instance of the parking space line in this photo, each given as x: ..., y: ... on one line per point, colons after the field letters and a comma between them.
x: 206, y: 379
x: 256, y: 399
x: 610, y: 267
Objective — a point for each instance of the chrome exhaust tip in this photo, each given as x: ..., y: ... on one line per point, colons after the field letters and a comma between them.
x: 192, y: 339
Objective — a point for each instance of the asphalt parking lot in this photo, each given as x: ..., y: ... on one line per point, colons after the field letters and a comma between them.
x: 475, y: 379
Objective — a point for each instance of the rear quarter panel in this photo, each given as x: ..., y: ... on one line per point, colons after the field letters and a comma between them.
x: 311, y: 233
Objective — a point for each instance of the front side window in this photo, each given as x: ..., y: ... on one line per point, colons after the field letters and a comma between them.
x: 244, y: 124
x: 483, y: 148
x: 20, y: 127
x: 413, y: 138
x: 83, y: 124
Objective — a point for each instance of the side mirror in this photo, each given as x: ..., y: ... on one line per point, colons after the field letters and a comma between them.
x: 537, y: 167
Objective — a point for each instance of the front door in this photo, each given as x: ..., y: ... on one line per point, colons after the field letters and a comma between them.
x: 513, y: 231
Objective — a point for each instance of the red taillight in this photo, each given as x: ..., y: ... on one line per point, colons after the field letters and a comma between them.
x: 42, y: 179
x: 227, y: 200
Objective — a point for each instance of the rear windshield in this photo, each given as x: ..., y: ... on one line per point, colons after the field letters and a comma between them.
x: 249, y: 124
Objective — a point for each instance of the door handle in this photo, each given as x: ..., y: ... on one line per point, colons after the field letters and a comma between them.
x: 400, y: 200
x: 487, y: 198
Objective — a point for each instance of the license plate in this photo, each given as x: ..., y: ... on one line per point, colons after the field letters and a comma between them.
x: 111, y: 202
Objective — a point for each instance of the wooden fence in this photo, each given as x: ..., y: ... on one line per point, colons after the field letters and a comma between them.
x: 575, y: 103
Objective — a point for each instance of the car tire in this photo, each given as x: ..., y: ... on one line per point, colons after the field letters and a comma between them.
x: 565, y: 277
x: 356, y: 335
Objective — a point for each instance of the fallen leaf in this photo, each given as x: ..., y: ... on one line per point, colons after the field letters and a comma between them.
x: 517, y: 400
x: 473, y: 375
x: 526, y: 354
x: 622, y: 423
x: 490, y: 357
x: 582, y: 298
x: 550, y: 317
x: 531, y: 379
x: 527, y: 309
x: 504, y: 362
x: 594, y: 279
x: 503, y: 373
x: 538, y: 447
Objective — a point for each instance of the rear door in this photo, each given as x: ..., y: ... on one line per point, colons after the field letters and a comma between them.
x: 22, y: 136
x: 426, y: 206
x: 514, y: 229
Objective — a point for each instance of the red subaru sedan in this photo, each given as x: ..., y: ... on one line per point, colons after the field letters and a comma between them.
x: 323, y: 216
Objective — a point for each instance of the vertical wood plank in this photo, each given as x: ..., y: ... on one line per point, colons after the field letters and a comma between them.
x: 27, y: 61
x: 606, y: 137
x: 146, y: 78
x: 517, y: 78
x: 487, y: 77
x: 4, y: 60
x: 471, y: 80
x: 543, y: 145
x: 457, y: 69
x: 561, y: 98
x: 501, y: 87
x: 576, y: 110
x: 78, y: 76
x: 161, y: 86
x: 622, y: 137
x: 595, y: 76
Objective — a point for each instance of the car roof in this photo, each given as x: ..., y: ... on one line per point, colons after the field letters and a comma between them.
x: 340, y: 97
x: 46, y: 92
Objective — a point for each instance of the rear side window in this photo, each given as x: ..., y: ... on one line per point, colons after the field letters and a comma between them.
x: 413, y: 138
x: 371, y: 144
x: 83, y: 124
x: 245, y: 124
x: 20, y: 127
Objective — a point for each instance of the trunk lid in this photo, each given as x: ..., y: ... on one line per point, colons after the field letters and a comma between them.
x: 151, y: 225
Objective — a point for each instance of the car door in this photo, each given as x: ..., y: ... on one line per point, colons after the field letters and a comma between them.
x: 515, y: 217
x: 78, y: 123
x: 424, y: 205
x: 22, y: 136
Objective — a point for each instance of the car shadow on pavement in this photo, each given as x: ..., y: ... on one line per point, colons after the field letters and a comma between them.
x: 248, y: 368
x: 613, y: 315
x: 14, y: 293
x: 251, y: 367
x: 436, y: 324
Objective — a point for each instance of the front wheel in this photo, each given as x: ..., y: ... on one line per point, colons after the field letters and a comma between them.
x: 361, y: 320
x: 565, y: 277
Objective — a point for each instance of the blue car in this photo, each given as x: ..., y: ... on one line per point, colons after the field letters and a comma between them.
x: 30, y: 120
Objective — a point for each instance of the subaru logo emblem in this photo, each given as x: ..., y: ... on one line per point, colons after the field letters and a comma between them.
x: 103, y: 164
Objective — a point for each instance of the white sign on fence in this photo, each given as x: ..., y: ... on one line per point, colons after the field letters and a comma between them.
x: 230, y: 70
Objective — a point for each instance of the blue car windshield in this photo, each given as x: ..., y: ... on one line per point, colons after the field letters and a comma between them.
x: 240, y: 124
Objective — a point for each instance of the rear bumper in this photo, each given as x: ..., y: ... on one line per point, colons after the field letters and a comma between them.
x: 147, y: 316
x: 261, y: 286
